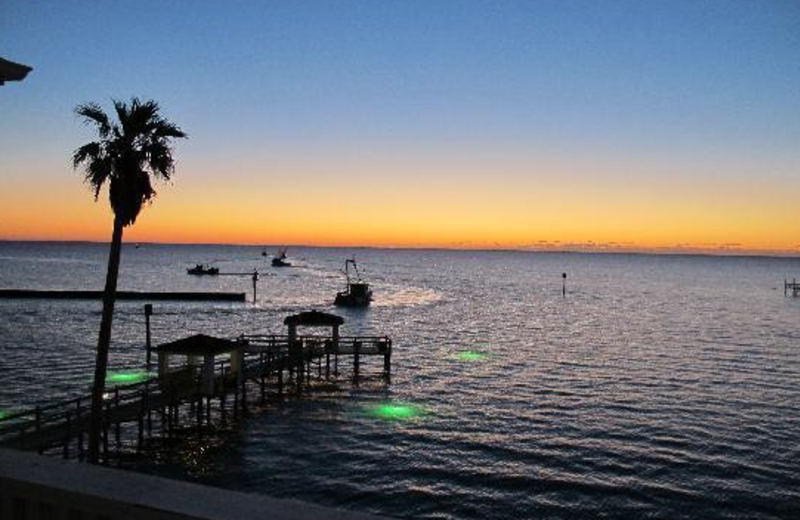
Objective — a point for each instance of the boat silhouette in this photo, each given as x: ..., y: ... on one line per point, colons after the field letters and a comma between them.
x: 358, y: 292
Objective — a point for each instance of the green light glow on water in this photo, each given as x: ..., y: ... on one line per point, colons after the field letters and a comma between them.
x: 395, y: 411
x: 471, y: 355
x: 128, y: 378
x: 3, y: 415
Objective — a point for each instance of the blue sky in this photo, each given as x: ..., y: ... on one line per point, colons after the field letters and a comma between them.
x: 709, y: 86
x: 615, y: 73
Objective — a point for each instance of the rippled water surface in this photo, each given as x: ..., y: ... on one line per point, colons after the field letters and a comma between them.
x: 660, y: 387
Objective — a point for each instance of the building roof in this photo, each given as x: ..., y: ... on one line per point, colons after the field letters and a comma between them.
x: 10, y: 71
x: 314, y: 319
x: 199, y: 344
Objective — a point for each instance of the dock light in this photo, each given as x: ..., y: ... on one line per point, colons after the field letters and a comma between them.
x: 395, y: 411
x: 471, y: 355
x: 128, y: 378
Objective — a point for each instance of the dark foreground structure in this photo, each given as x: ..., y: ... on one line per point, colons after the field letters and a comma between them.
x: 33, y: 487
x: 10, y: 71
x: 212, y: 383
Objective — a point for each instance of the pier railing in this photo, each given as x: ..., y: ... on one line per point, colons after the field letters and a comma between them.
x: 64, y: 418
x: 265, y: 356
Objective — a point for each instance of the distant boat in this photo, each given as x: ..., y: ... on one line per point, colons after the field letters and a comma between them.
x: 358, y: 293
x: 202, y: 269
x: 279, y: 260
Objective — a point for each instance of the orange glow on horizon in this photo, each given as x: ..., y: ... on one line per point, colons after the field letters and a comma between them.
x: 524, y: 208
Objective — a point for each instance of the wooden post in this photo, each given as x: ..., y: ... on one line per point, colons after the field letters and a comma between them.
x: 328, y: 348
x: 255, y: 285
x: 564, y: 285
x: 199, y: 405
x: 335, y: 350
x: 262, y: 372
x: 387, y: 358
x: 356, y: 358
x: 148, y: 311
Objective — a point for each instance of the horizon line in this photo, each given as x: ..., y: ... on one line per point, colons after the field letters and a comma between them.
x: 600, y: 250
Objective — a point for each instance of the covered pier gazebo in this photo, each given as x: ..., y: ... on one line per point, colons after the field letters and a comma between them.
x: 315, y: 319
x: 202, y: 350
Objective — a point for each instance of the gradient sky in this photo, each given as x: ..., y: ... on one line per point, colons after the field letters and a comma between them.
x: 567, y: 124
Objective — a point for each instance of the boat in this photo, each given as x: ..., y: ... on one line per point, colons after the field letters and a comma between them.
x: 202, y: 269
x: 358, y: 293
x: 279, y: 260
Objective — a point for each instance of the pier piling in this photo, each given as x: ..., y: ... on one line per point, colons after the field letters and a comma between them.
x: 197, y: 392
x: 148, y: 311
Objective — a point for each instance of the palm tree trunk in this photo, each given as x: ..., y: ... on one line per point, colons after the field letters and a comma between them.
x: 103, y: 343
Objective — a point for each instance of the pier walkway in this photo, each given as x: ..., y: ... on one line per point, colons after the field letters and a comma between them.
x: 188, y: 392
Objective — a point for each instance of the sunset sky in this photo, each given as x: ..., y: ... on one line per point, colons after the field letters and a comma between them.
x: 561, y: 124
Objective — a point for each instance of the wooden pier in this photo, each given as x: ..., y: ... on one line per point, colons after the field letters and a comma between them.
x: 792, y: 288
x: 200, y: 392
x: 122, y: 295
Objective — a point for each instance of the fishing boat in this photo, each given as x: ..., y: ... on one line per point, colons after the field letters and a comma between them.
x: 358, y: 293
x: 202, y: 269
x: 279, y: 260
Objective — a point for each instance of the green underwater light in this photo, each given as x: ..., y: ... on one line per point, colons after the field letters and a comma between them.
x: 471, y: 355
x: 3, y: 415
x: 395, y: 411
x: 128, y: 378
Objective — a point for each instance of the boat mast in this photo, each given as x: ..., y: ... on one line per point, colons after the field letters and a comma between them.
x: 347, y: 270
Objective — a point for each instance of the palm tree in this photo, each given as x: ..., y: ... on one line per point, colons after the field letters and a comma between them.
x: 128, y: 153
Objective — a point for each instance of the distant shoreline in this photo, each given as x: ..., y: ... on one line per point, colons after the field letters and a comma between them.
x: 791, y: 255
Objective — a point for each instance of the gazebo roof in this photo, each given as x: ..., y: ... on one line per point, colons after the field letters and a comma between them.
x: 199, y: 344
x: 314, y: 319
x: 10, y: 71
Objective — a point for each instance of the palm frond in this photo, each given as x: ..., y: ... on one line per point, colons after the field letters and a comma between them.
x: 130, y: 154
x: 143, y: 117
x: 167, y: 129
x: 159, y: 159
x: 92, y: 113
x: 98, y: 171
x: 86, y: 152
x: 123, y: 114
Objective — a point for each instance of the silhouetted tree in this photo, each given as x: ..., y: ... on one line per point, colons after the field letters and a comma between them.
x: 129, y: 153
